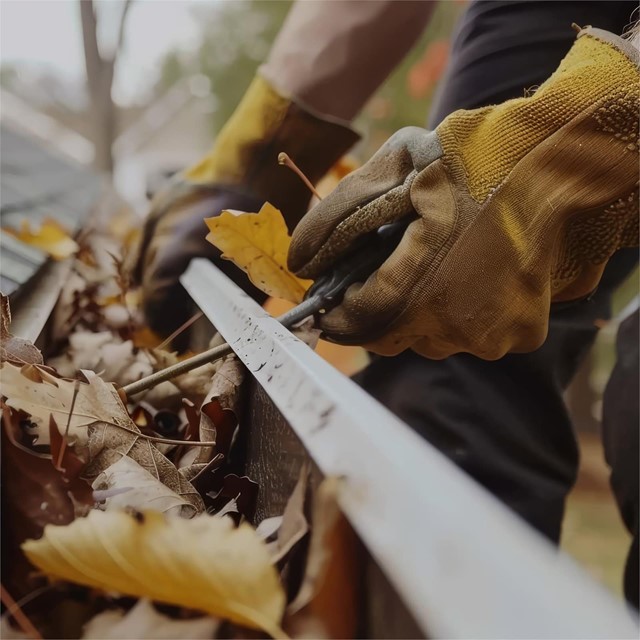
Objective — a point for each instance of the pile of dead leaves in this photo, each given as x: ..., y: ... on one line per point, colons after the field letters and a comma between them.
x: 131, y: 517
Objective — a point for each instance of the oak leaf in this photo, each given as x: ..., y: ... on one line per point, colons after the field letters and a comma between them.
x: 258, y: 243
x: 50, y: 237
x: 204, y: 563
x: 126, y: 484
x: 99, y: 427
x: 41, y: 394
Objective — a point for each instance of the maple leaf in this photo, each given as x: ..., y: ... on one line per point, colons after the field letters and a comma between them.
x: 50, y: 237
x: 258, y: 243
x: 204, y: 564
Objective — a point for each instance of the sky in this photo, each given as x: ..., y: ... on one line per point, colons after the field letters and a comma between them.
x: 47, y: 33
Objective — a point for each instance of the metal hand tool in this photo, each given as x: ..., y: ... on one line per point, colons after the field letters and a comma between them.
x: 325, y: 294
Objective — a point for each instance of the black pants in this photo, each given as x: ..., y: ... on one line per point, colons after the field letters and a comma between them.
x: 505, y: 422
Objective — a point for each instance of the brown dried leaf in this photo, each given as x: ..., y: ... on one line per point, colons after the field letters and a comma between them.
x: 219, y: 413
x: 14, y: 349
x: 63, y: 457
x: 41, y: 394
x: 100, y: 429
x: 242, y: 490
x: 107, y: 446
x: 326, y: 514
x: 328, y: 600
x: 142, y: 490
x: 106, y: 353
x: 34, y: 494
x: 294, y: 525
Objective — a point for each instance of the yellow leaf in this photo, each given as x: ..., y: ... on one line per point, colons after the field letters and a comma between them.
x: 50, y: 237
x: 258, y: 243
x: 204, y: 563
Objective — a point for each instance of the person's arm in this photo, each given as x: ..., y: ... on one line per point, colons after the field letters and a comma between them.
x: 332, y: 55
x: 328, y: 59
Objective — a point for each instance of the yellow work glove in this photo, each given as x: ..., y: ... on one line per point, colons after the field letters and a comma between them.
x: 241, y: 172
x: 517, y: 206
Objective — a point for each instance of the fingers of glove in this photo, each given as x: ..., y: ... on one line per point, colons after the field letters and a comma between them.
x: 165, y: 304
x: 386, y: 170
x: 176, y: 241
x: 391, y: 206
x: 371, y: 310
x: 168, y: 209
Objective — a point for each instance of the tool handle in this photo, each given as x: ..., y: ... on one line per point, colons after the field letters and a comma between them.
x: 375, y: 248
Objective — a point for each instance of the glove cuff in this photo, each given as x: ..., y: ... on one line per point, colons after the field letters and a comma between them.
x: 264, y: 124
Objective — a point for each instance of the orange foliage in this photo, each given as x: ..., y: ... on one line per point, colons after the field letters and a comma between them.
x: 424, y: 75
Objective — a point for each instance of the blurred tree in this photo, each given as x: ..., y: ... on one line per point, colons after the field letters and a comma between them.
x: 100, y: 66
x: 236, y: 38
x: 172, y: 69
x: 8, y: 75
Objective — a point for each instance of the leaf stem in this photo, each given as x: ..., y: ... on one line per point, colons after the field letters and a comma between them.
x: 14, y: 610
x: 65, y: 435
x: 285, y: 160
x: 180, y: 329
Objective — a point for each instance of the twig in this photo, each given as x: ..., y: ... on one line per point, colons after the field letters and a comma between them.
x: 211, y: 355
x: 63, y: 446
x: 21, y: 618
x: 180, y: 329
x: 285, y: 160
x: 191, y: 443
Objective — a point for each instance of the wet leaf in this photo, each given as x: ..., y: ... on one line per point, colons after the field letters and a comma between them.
x: 50, y: 237
x: 204, y: 563
x: 258, y: 243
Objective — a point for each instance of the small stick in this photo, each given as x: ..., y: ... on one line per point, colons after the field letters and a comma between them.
x: 65, y: 435
x: 14, y: 610
x: 180, y: 329
x: 299, y: 313
x: 177, y: 369
x: 285, y: 160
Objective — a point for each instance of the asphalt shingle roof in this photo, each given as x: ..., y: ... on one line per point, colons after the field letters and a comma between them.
x: 36, y: 183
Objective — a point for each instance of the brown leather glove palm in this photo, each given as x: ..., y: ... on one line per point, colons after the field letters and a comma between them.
x: 517, y: 205
x: 241, y: 172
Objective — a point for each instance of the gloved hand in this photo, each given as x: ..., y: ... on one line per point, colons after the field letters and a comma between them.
x: 516, y: 205
x: 241, y: 172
